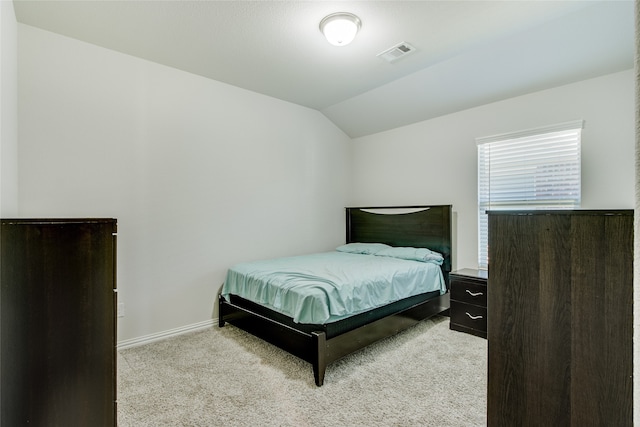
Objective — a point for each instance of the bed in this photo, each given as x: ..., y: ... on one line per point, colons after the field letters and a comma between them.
x: 321, y: 336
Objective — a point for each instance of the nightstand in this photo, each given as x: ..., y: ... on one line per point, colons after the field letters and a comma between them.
x: 468, y: 311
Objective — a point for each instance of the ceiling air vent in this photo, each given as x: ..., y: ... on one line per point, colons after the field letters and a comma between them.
x: 396, y: 52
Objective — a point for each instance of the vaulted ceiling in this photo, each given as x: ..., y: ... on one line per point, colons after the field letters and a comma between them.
x: 468, y: 53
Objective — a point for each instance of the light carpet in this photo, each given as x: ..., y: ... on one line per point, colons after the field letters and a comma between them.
x: 425, y: 376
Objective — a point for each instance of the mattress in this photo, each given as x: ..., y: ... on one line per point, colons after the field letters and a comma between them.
x: 330, y: 286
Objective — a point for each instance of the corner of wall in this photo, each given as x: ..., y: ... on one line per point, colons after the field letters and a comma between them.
x: 8, y: 110
x: 636, y: 274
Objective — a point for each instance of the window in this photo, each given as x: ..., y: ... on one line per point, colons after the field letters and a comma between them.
x: 533, y: 169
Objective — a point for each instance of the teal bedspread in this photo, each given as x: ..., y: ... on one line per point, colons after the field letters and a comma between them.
x: 325, y: 287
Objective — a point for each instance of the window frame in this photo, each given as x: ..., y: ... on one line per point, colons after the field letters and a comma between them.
x: 541, y: 170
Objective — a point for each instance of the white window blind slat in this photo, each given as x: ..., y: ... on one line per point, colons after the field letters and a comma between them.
x: 533, y: 169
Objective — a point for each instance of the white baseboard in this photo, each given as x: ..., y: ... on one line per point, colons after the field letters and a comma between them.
x: 146, y: 339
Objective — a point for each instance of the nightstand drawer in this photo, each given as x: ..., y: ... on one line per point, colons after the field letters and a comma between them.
x: 468, y: 316
x: 468, y: 312
x: 469, y: 292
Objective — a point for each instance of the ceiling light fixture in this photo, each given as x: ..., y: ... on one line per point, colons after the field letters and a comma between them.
x: 340, y: 28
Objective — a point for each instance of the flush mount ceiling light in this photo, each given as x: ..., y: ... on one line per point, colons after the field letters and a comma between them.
x: 340, y: 28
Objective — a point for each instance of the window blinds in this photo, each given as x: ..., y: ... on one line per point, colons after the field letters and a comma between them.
x: 533, y: 169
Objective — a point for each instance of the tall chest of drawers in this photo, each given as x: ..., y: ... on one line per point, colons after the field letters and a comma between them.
x: 57, y: 322
x: 560, y: 340
x: 469, y: 301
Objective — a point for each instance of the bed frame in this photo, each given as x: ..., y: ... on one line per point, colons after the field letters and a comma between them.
x: 320, y: 345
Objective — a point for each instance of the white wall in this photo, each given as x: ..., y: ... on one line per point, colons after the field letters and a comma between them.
x: 8, y: 111
x: 636, y: 247
x: 201, y: 174
x: 198, y: 173
x: 435, y: 161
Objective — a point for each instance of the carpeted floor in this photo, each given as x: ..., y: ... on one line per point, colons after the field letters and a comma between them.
x: 426, y: 376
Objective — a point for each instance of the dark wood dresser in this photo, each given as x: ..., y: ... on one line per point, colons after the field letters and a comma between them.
x: 468, y: 312
x: 561, y: 329
x: 57, y: 322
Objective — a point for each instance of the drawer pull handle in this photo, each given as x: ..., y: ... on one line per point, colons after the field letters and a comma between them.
x: 473, y: 317
x: 473, y: 294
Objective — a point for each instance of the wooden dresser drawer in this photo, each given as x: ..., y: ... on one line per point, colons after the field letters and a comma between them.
x: 469, y: 292
x: 468, y: 318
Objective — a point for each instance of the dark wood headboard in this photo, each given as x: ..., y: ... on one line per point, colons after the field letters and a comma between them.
x: 414, y: 226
